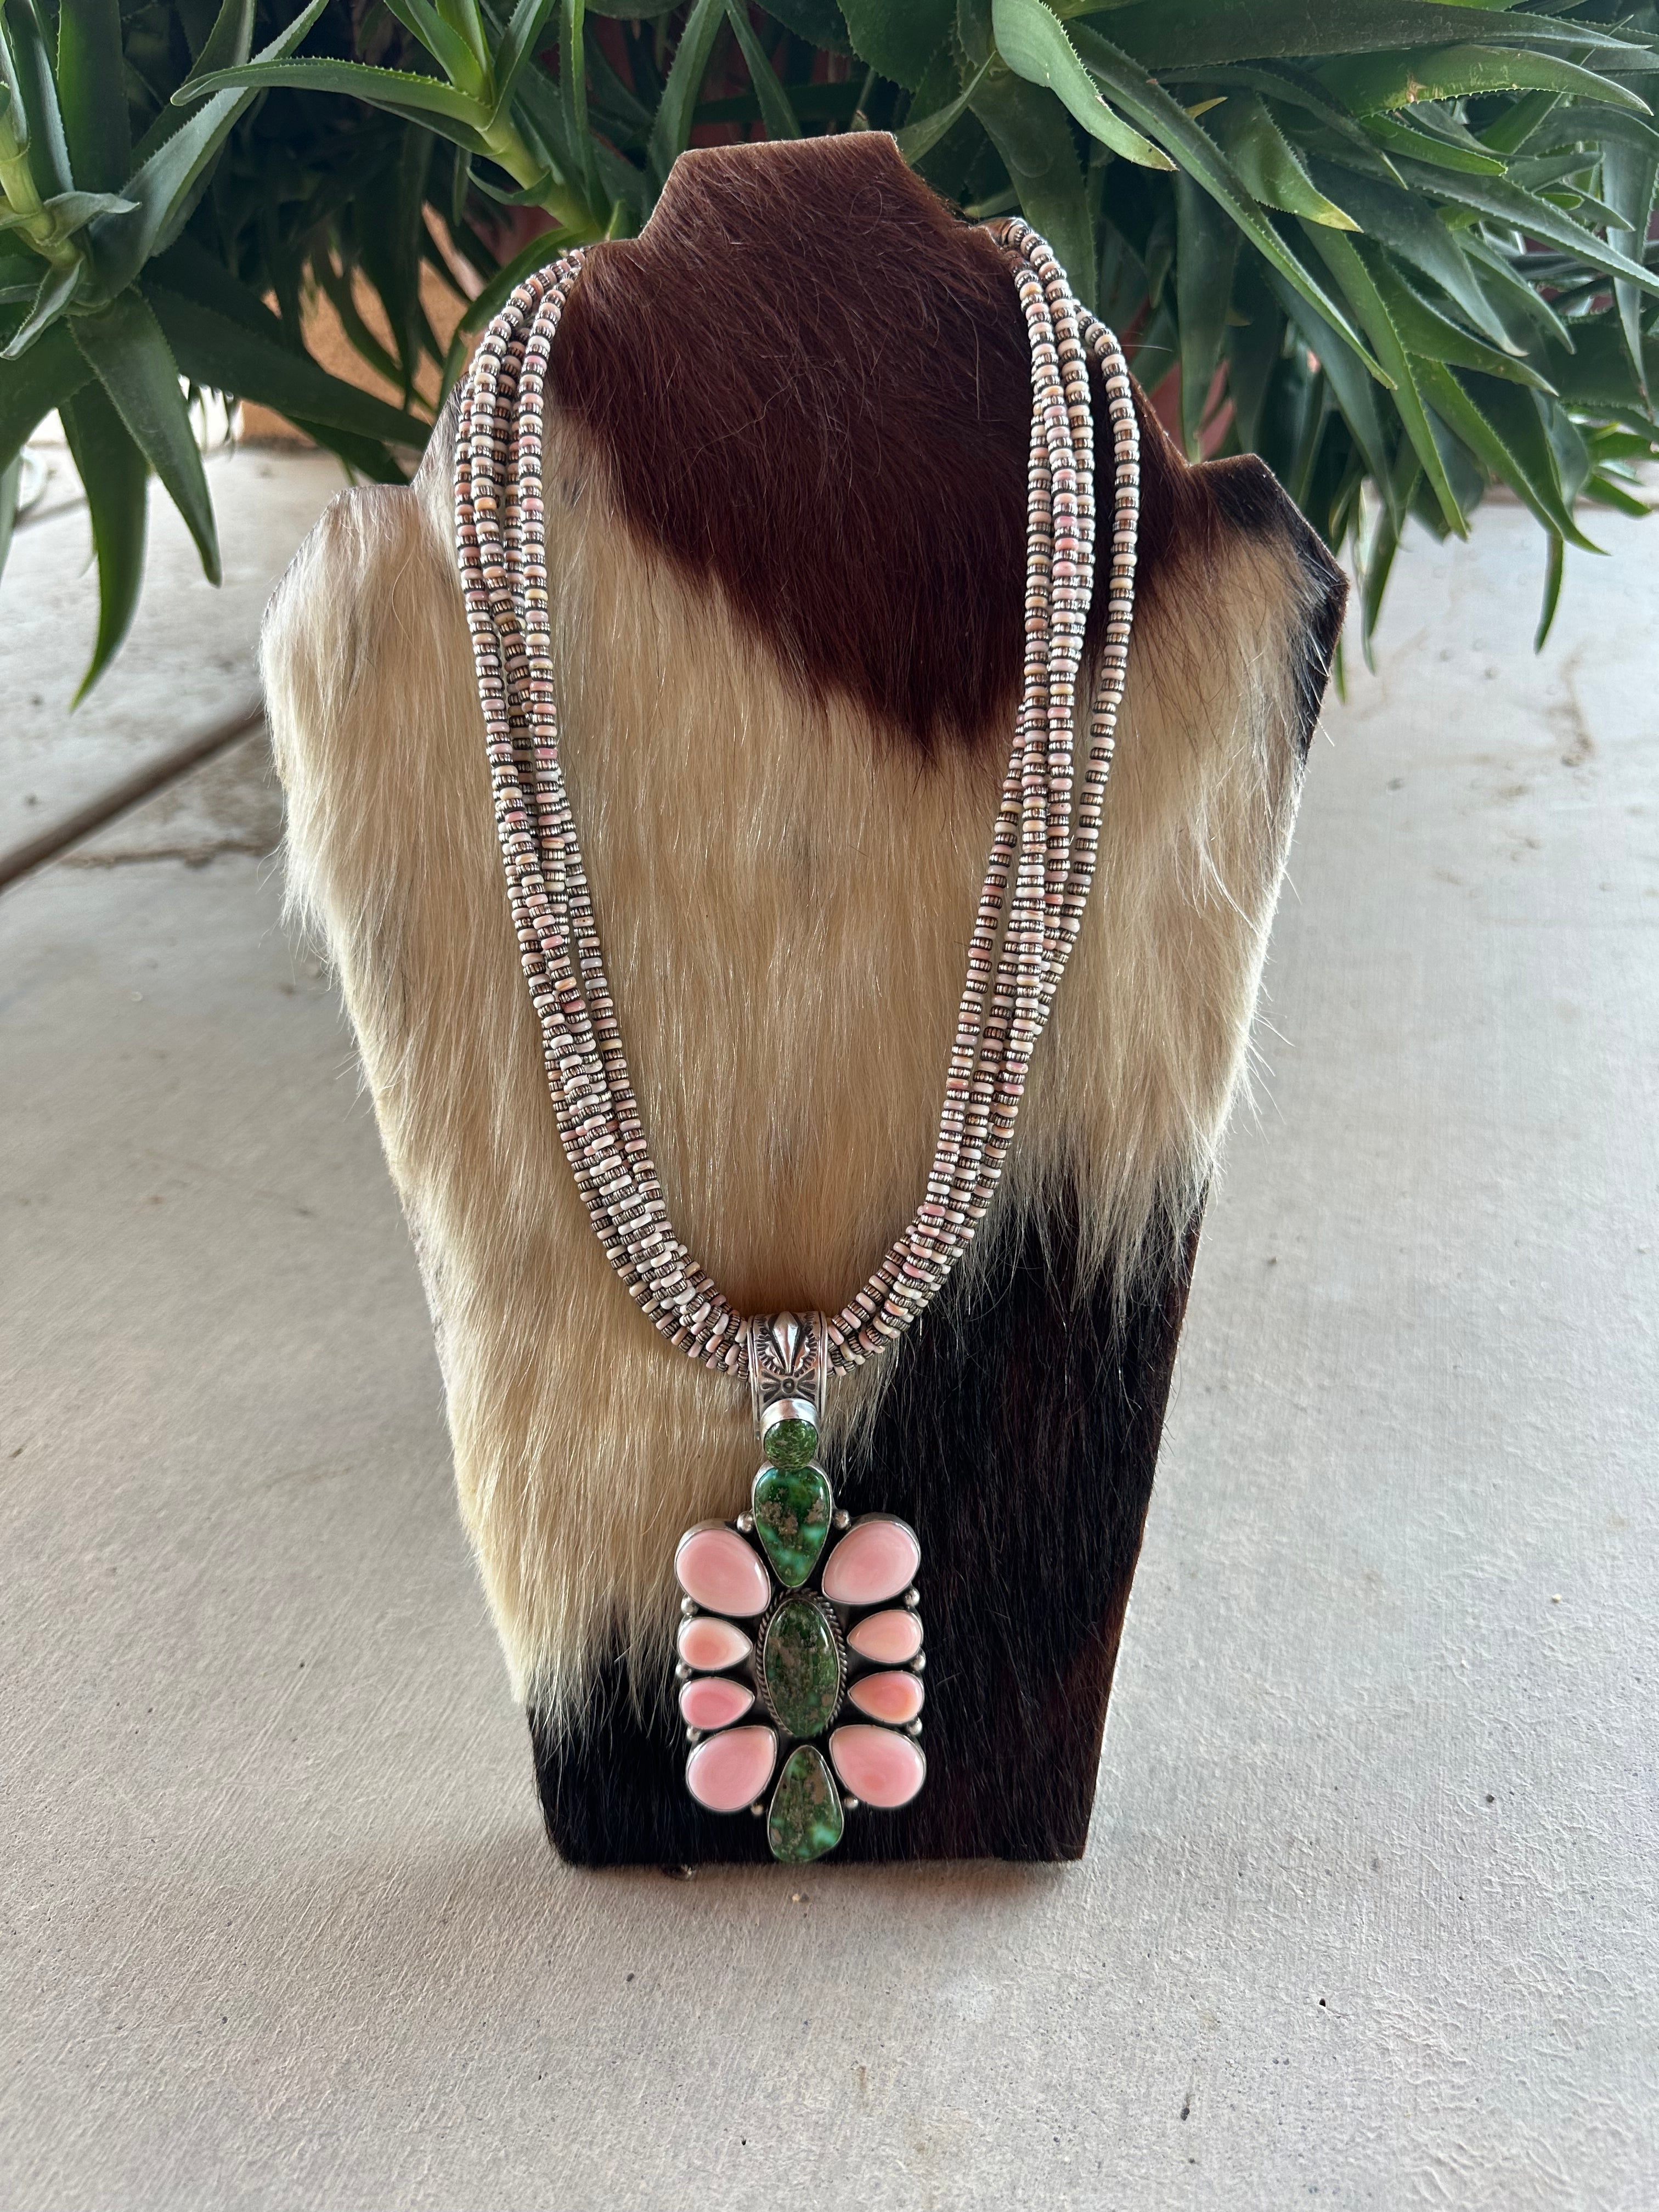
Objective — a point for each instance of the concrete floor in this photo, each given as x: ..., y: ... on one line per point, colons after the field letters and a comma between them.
x: 1370, y: 1914
x: 187, y: 666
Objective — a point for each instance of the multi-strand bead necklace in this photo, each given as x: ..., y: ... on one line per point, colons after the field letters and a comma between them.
x: 1037, y: 884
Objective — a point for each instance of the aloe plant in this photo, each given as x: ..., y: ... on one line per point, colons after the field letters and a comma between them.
x: 1397, y: 248
x: 110, y: 303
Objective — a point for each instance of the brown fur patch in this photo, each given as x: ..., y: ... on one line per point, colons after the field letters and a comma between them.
x: 799, y: 365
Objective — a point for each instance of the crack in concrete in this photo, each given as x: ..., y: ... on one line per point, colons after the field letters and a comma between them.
x: 193, y: 856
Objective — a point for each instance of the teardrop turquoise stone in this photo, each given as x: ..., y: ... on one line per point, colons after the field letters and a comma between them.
x: 805, y: 1820
x: 792, y: 1508
x: 802, y: 1666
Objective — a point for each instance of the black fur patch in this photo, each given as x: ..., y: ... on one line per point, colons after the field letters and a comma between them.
x: 1330, y: 600
x: 1018, y: 1438
x: 1252, y: 499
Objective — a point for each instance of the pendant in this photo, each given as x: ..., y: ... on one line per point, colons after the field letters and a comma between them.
x: 800, y: 1658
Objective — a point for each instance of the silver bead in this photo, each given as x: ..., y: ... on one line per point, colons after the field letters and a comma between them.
x: 912, y: 1598
x: 842, y: 1516
x: 757, y: 1808
x: 918, y: 1663
x: 688, y: 1607
x: 681, y: 1673
x: 693, y: 1735
x: 745, y: 1522
x: 849, y: 1804
x: 913, y: 1728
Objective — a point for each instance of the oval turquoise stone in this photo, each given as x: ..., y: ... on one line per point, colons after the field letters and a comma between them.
x: 805, y: 1819
x: 792, y: 1507
x: 790, y: 1443
x: 802, y: 1666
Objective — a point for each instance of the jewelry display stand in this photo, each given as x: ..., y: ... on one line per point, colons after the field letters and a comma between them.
x: 784, y: 470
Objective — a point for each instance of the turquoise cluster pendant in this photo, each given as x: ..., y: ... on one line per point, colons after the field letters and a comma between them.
x: 800, y: 1644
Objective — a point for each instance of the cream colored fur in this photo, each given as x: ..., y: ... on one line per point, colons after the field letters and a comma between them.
x: 785, y: 897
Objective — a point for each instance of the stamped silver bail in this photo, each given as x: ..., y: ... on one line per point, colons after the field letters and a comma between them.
x: 788, y: 1369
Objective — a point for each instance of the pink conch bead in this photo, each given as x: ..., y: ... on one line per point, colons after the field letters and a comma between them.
x: 719, y: 1570
x: 709, y: 1645
x: 726, y: 1773
x: 875, y: 1559
x: 889, y: 1638
x: 715, y: 1701
x: 894, y: 1697
x: 884, y: 1769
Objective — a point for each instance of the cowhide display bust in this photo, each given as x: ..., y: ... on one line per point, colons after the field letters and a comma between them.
x: 785, y: 485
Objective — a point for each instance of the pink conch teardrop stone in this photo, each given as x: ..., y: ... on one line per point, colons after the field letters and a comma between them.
x: 889, y: 1638
x: 726, y: 1773
x: 719, y: 1570
x: 709, y: 1645
x: 894, y: 1697
x: 884, y: 1769
x: 875, y: 1559
x: 715, y: 1701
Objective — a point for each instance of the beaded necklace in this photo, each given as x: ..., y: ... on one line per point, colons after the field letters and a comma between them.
x: 842, y: 1628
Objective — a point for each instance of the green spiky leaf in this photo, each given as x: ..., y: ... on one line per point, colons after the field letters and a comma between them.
x: 114, y: 477
x: 91, y: 93
x: 897, y: 36
x: 162, y: 188
x: 1267, y: 164
x: 124, y: 346
x: 1032, y: 42
x: 50, y: 372
x: 670, y: 134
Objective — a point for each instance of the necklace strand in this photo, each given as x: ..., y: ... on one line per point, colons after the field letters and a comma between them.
x: 1037, y: 878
